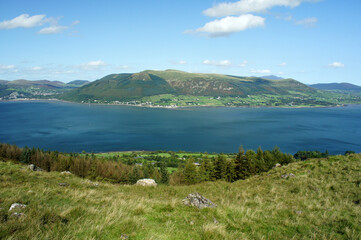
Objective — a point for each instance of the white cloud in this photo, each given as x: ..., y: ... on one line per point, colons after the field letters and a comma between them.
x: 92, y: 65
x: 24, y: 21
x: 249, y: 6
x: 7, y: 66
x: 308, y: 22
x: 52, y: 29
x: 282, y: 64
x: 243, y: 64
x: 180, y: 62
x: 226, y: 26
x: 222, y: 63
x: 263, y: 71
x: 36, y: 68
x: 336, y: 65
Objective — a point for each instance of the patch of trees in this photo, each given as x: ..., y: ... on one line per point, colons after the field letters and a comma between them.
x: 304, y: 155
x: 221, y: 167
x: 230, y: 169
x: 85, y: 166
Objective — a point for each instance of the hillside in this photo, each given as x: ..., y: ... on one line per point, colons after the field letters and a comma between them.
x: 148, y: 83
x: 337, y: 87
x: 20, y: 89
x: 322, y: 201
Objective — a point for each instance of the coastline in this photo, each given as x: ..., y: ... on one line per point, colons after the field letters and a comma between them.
x: 168, y: 107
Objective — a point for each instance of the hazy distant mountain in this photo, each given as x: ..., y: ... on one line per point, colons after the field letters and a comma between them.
x: 337, y: 87
x: 78, y: 82
x: 148, y: 83
x: 272, y: 77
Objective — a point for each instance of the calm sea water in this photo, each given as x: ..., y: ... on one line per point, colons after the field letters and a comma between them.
x: 73, y: 127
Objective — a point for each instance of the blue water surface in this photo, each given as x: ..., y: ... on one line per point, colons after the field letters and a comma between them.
x: 71, y: 127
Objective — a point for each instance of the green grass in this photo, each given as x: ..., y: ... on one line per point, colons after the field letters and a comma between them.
x: 321, y: 202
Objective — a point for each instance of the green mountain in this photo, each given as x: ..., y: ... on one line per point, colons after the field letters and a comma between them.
x: 129, y: 86
x: 22, y: 88
x: 337, y: 87
x: 78, y: 82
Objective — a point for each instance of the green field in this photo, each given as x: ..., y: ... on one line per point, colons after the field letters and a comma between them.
x: 322, y: 201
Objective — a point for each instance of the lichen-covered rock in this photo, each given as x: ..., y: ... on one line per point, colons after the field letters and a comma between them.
x: 291, y: 175
x: 16, y: 206
x: 33, y: 167
x: 146, y: 182
x: 197, y: 200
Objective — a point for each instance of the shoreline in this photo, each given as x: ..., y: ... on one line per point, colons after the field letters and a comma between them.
x: 170, y: 107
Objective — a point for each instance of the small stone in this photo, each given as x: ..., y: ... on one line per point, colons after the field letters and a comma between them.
x: 278, y: 165
x: 63, y: 184
x: 17, y: 215
x: 298, y: 212
x: 146, y: 182
x: 215, y: 221
x: 65, y: 173
x: 123, y: 236
x: 33, y: 167
x: 17, y: 205
x: 96, y: 185
x: 197, y: 200
x: 291, y: 175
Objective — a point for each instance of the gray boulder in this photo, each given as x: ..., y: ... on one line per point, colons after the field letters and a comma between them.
x: 146, y: 182
x: 16, y: 206
x: 285, y: 176
x: 197, y: 200
x: 33, y: 167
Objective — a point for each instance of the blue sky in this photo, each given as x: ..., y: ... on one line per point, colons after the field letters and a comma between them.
x: 308, y: 40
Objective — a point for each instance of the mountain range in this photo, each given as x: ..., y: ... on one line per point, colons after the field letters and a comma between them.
x: 127, y: 86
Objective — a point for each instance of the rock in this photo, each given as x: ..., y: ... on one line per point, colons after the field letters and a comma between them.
x: 96, y: 185
x: 17, y: 215
x: 16, y: 206
x: 63, y: 184
x: 215, y: 221
x: 197, y: 200
x: 278, y: 165
x: 298, y: 212
x: 65, y: 173
x: 146, y: 182
x: 33, y: 167
x: 123, y: 236
x: 285, y: 176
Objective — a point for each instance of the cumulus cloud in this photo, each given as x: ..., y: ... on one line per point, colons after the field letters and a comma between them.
x: 336, y: 65
x: 36, y: 68
x: 23, y: 21
x: 308, y: 22
x: 243, y: 64
x: 282, y: 64
x: 92, y: 65
x: 27, y: 21
x: 7, y: 67
x: 52, y: 30
x: 226, y: 26
x: 249, y: 6
x: 263, y: 71
x: 222, y: 63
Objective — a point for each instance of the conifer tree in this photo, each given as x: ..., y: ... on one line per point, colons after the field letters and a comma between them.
x: 190, y: 172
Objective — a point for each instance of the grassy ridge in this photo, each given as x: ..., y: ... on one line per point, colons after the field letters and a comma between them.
x: 322, y: 201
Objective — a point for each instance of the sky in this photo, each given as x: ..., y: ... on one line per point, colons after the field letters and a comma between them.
x: 312, y: 41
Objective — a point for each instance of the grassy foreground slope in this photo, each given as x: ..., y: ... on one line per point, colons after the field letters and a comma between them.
x: 322, y: 201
